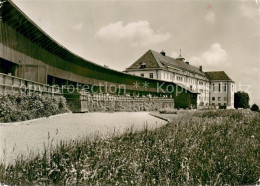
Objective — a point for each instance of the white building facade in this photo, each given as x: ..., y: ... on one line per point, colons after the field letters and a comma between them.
x: 157, y: 65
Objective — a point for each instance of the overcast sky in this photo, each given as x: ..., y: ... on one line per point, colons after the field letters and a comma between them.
x: 217, y: 34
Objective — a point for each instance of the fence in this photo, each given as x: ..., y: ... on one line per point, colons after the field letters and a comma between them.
x: 85, y: 101
x: 17, y: 85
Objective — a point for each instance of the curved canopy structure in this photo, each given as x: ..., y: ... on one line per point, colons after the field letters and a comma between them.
x: 30, y: 53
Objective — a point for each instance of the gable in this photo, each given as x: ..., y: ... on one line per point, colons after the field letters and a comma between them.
x: 147, y: 59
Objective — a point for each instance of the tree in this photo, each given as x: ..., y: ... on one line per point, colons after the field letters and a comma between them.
x: 241, y: 100
x: 255, y: 107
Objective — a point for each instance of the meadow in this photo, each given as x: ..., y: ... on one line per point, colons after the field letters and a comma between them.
x: 203, y: 147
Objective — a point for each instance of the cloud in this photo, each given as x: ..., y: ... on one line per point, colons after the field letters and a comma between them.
x: 250, y: 12
x: 136, y: 33
x: 78, y: 26
x: 210, y: 17
x: 174, y: 54
x: 214, y: 56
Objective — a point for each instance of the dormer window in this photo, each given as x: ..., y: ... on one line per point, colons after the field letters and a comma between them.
x: 143, y: 65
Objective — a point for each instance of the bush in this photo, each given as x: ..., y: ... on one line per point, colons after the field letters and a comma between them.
x: 222, y: 107
x: 241, y: 100
x: 255, y: 108
x: 168, y: 111
x: 22, y: 107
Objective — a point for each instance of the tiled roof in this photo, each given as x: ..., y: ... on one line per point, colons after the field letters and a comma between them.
x: 169, y: 61
x: 148, y: 59
x: 154, y: 59
x: 218, y: 75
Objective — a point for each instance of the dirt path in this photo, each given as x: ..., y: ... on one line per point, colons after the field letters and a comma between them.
x: 31, y: 137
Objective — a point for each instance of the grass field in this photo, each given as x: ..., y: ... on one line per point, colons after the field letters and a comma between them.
x: 204, y: 147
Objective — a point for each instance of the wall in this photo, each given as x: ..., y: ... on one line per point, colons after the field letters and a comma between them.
x: 88, y: 102
x: 145, y: 72
x: 226, y: 97
x: 189, y: 80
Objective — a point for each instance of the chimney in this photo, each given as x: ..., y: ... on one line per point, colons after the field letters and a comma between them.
x: 187, y: 62
x: 163, y: 53
x: 201, y: 68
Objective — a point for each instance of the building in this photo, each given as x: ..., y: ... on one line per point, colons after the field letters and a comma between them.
x: 157, y: 65
x: 29, y: 56
x: 222, y: 89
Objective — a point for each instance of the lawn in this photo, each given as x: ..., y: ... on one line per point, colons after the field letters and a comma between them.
x: 204, y: 147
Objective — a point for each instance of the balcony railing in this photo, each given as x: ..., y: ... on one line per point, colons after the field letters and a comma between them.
x: 17, y: 85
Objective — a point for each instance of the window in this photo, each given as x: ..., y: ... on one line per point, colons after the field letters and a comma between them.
x: 213, y: 87
x: 219, y: 87
x: 225, y: 104
x: 213, y: 98
x: 143, y: 65
x: 219, y: 98
x: 219, y: 104
x: 225, y: 98
x: 151, y: 75
x: 201, y: 90
x: 190, y: 87
x: 201, y: 82
x: 225, y: 87
x: 142, y: 74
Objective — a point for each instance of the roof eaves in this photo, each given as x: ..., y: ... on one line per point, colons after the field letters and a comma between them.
x: 142, y: 69
x: 53, y: 41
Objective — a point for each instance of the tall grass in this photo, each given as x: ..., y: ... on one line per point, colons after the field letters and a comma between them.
x: 214, y: 147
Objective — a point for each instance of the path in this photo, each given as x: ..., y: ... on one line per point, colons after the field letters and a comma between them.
x: 23, y: 139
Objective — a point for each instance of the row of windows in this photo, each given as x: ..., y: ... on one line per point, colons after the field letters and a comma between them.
x: 186, y: 80
x: 218, y: 87
x: 143, y: 65
x: 150, y: 75
x: 181, y: 79
x: 168, y: 76
x: 219, y: 99
x: 215, y: 87
x: 219, y: 104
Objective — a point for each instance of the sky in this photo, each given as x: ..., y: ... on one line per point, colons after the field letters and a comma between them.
x: 220, y: 35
